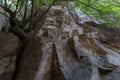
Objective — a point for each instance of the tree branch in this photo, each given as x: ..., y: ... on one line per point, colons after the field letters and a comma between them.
x: 45, y: 12
x: 6, y: 9
x: 11, y: 4
x: 4, y: 14
x: 17, y: 6
x: 31, y: 15
x: 25, y: 10
x: 87, y: 6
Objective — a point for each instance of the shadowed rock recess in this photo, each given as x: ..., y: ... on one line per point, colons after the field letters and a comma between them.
x: 65, y: 50
x: 9, y: 45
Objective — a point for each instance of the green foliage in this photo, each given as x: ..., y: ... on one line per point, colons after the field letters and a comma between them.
x: 41, y: 3
x: 22, y: 3
x: 21, y: 12
x: 106, y: 10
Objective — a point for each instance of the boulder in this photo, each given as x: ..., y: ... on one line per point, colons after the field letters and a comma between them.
x: 9, y: 46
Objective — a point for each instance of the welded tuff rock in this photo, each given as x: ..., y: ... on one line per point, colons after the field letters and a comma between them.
x: 63, y: 50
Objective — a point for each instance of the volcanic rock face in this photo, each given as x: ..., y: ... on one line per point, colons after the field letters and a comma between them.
x: 9, y: 45
x: 63, y: 50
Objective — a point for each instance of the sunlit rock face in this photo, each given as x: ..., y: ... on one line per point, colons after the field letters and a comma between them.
x: 9, y: 46
x: 65, y: 50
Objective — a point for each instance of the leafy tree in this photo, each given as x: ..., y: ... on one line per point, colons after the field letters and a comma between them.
x: 105, y: 10
x: 26, y: 11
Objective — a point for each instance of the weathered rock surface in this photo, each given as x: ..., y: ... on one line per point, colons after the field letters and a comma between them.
x: 9, y: 45
x: 63, y: 50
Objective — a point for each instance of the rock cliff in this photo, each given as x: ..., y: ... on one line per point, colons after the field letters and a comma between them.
x: 65, y: 50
